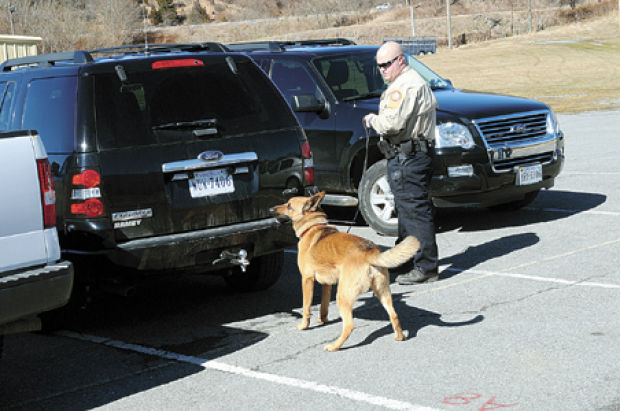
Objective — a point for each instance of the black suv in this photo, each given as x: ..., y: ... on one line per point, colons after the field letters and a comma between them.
x: 491, y: 150
x: 161, y: 159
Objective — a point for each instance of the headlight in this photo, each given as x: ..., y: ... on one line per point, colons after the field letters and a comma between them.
x: 553, y: 127
x: 453, y: 135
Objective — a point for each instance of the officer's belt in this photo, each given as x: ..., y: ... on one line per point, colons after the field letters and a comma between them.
x: 411, y: 147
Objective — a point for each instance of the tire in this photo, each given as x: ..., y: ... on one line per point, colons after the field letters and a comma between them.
x: 376, y: 202
x: 515, y: 205
x: 262, y: 273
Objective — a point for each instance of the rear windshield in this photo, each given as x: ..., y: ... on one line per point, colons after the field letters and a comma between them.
x: 160, y: 106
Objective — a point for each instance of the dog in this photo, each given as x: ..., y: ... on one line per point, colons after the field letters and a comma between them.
x: 332, y: 257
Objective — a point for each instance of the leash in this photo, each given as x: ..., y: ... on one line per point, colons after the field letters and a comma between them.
x: 357, y: 209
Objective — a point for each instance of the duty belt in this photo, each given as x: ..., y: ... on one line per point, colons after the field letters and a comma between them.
x: 407, y: 148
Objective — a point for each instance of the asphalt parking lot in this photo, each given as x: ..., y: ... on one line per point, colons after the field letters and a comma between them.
x: 525, y: 316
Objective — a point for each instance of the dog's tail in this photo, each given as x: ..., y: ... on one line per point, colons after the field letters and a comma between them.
x: 397, y: 255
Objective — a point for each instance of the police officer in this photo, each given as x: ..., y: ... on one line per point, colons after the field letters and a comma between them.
x: 406, y: 124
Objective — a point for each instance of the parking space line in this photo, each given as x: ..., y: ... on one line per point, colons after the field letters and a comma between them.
x: 525, y: 277
x: 567, y: 211
x: 231, y: 369
x: 562, y: 255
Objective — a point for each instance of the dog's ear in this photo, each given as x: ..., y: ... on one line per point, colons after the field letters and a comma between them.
x: 313, y: 202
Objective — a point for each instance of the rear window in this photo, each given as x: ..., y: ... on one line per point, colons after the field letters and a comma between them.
x: 159, y: 106
x: 50, y: 109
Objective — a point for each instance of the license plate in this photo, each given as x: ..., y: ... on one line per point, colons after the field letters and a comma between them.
x: 210, y: 183
x: 529, y: 175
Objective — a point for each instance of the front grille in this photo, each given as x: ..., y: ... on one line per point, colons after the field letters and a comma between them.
x: 502, y: 131
x: 516, y: 140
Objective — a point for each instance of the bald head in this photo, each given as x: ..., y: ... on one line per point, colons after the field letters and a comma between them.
x: 389, y: 50
x: 390, y: 60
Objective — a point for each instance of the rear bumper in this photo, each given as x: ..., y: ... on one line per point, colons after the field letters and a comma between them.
x: 31, y: 292
x: 197, y: 248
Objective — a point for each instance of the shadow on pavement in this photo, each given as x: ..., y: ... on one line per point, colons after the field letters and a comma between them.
x: 412, y: 319
x: 474, y: 255
x: 549, y: 206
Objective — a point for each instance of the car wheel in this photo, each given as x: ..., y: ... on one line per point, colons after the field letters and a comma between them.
x: 376, y: 202
x: 515, y: 205
x: 262, y: 273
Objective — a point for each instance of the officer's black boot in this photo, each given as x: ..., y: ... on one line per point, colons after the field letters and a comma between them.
x: 416, y: 276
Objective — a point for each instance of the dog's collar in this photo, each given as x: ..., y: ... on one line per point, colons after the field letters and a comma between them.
x: 308, y: 229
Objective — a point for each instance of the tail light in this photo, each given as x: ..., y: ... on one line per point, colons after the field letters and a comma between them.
x: 86, y: 194
x: 48, y: 195
x: 306, y: 153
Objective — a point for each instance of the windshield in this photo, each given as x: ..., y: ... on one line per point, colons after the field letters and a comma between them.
x: 356, y: 76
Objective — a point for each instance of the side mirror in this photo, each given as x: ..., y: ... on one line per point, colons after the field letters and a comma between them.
x: 307, y: 103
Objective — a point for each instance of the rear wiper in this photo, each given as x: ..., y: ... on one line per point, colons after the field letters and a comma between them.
x: 187, y: 124
x: 363, y: 96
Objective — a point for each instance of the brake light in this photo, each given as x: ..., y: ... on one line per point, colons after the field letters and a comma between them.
x: 92, y: 207
x: 162, y: 64
x: 306, y: 153
x: 86, y: 194
x: 48, y: 195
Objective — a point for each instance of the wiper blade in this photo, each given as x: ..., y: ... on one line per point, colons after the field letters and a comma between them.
x: 187, y: 124
x: 363, y: 96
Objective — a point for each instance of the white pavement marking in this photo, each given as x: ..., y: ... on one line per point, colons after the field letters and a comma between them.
x: 533, y: 277
x: 231, y: 369
x: 566, y: 211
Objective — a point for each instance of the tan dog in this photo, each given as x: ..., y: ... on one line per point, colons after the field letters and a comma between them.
x: 331, y: 257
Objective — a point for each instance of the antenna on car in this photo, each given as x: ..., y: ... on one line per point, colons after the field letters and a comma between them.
x: 146, y: 40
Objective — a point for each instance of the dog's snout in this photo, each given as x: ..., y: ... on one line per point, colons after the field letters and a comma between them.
x: 277, y: 213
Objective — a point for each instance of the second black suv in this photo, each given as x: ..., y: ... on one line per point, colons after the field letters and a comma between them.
x: 491, y: 150
x: 161, y: 159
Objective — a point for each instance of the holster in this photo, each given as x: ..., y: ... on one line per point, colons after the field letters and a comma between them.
x: 386, y: 148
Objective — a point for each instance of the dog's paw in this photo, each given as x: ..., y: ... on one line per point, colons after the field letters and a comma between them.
x: 303, y: 325
x: 399, y: 337
x: 331, y: 347
x: 322, y: 320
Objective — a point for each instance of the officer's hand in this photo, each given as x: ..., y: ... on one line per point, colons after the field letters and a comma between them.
x: 368, y: 119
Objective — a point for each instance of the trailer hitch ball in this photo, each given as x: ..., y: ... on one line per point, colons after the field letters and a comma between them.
x: 236, y: 257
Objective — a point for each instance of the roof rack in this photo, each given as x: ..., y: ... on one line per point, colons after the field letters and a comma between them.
x: 47, y: 60
x: 86, y: 56
x: 282, y: 45
x: 161, y: 48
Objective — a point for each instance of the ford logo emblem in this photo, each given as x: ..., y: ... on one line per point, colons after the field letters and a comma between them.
x: 518, y: 128
x: 210, y: 156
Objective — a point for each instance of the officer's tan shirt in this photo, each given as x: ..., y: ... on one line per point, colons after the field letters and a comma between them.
x: 407, y: 109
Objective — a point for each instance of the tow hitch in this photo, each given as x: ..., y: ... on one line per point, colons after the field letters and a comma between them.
x: 234, y: 257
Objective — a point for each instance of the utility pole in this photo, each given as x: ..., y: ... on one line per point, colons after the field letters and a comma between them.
x: 11, y: 9
x: 413, y: 20
x: 448, y: 23
x: 529, y: 15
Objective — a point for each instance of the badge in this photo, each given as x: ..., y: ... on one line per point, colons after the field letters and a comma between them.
x: 394, y: 99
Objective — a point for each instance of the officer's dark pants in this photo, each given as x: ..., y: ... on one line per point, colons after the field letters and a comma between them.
x: 409, y: 178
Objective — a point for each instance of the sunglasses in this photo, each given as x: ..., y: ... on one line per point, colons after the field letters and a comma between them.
x: 387, y: 63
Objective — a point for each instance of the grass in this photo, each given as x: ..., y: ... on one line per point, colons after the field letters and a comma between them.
x: 572, y: 68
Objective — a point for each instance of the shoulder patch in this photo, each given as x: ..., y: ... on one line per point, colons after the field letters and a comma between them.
x: 394, y: 99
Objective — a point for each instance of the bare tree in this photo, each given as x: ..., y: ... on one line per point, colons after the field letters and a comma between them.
x: 61, y: 23
x: 115, y: 21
